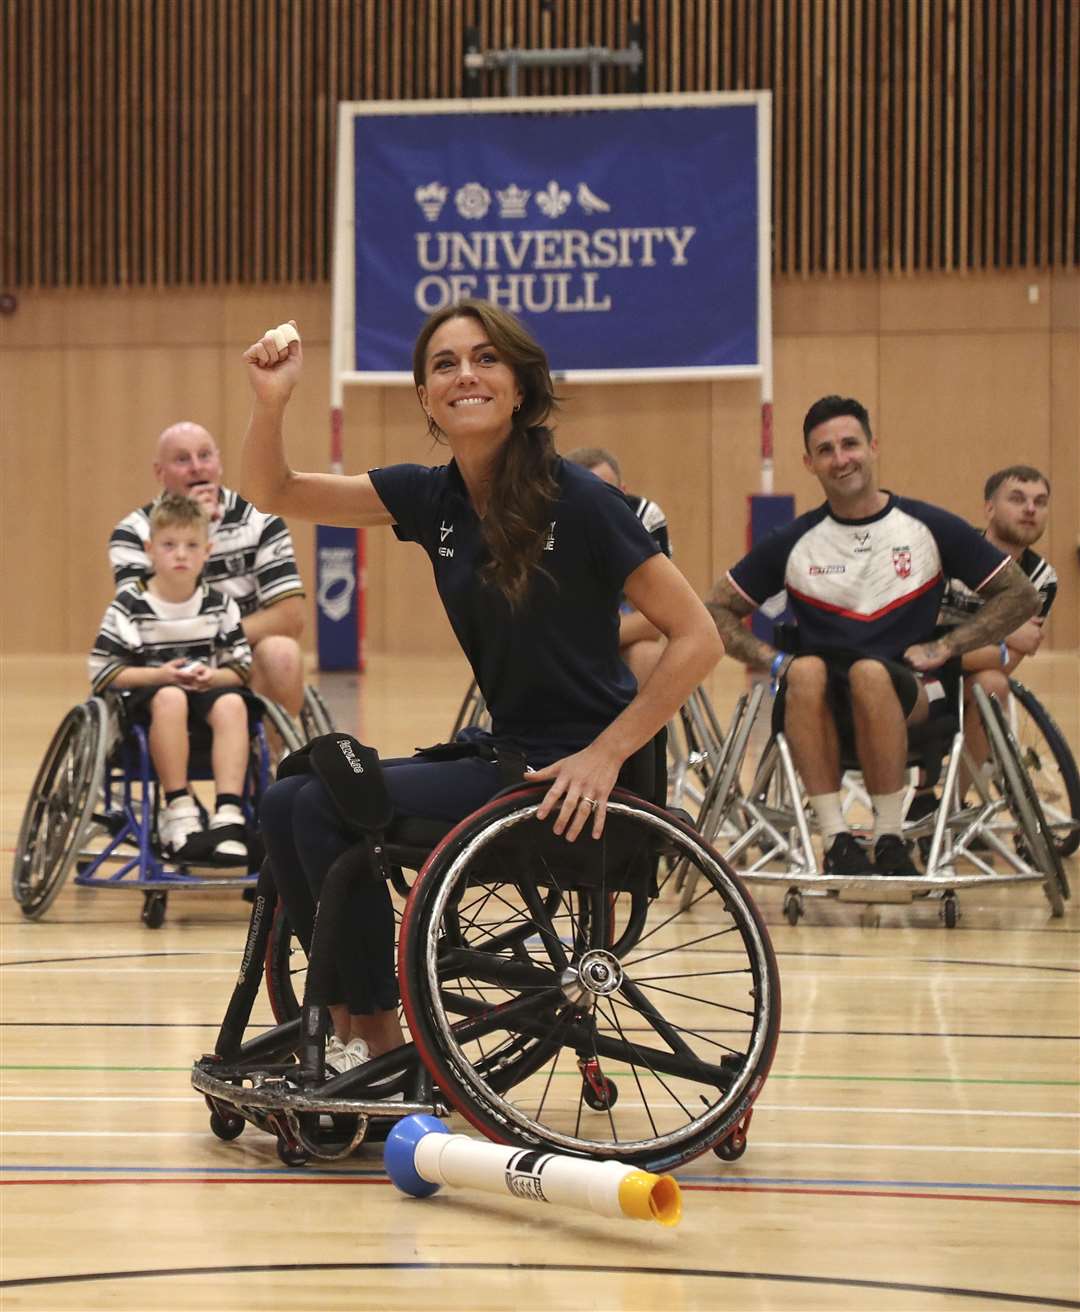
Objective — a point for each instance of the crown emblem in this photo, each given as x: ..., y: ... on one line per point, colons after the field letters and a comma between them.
x: 431, y: 199
x: 512, y: 202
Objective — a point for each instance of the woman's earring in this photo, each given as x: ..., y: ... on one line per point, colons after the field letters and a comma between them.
x: 517, y: 407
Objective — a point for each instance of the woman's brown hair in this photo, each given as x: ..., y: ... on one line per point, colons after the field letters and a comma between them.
x: 517, y: 521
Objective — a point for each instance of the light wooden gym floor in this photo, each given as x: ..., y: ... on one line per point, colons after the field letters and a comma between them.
x: 916, y: 1145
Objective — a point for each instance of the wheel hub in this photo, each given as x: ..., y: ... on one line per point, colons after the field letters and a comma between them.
x: 598, y: 973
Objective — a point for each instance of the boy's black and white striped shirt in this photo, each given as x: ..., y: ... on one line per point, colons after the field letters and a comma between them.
x: 251, y: 554
x: 142, y: 630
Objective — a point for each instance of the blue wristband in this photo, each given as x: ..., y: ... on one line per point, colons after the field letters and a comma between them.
x: 774, y: 671
x: 1004, y: 653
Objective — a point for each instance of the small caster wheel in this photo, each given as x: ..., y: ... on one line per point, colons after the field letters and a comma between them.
x: 226, y: 1126
x: 870, y: 918
x: 731, y: 1148
x: 950, y: 911
x: 292, y: 1154
x: 601, y: 1098
x: 153, y: 912
x: 793, y: 908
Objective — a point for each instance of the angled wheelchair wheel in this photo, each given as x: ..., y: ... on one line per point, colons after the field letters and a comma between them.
x: 315, y: 717
x: 535, y: 973
x: 1051, y: 766
x: 1034, y: 836
x: 285, y: 968
x: 60, y: 808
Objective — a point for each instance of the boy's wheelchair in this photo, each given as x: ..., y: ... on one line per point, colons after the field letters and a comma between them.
x: 768, y: 827
x: 554, y: 993
x: 94, y: 805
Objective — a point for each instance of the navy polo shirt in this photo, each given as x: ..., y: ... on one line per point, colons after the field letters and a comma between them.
x: 550, y: 671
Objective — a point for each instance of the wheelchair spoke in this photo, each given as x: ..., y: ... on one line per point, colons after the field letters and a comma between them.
x: 643, y: 1053
x: 672, y: 1032
x: 678, y: 947
x: 690, y: 997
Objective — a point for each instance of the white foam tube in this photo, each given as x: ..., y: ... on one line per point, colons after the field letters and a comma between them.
x: 609, y: 1188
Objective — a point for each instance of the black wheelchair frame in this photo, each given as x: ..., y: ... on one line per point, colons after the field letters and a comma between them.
x: 534, y: 976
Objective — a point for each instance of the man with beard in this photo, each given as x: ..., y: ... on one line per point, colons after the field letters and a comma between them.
x: 865, y: 574
x: 1017, y: 505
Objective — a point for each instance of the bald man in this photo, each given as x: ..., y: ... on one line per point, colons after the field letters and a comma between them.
x: 251, y: 559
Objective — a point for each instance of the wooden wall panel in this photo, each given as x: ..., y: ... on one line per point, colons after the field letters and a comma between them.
x: 960, y: 375
x: 35, y: 540
x: 1063, y: 546
x: 179, y: 142
x: 118, y: 401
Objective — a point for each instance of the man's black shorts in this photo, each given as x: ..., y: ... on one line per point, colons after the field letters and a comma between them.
x: 941, y: 687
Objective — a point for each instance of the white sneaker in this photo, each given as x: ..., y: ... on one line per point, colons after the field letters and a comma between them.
x: 231, y: 846
x: 342, y: 1057
x: 178, y: 822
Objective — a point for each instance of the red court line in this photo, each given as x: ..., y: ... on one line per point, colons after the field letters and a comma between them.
x: 689, y: 1188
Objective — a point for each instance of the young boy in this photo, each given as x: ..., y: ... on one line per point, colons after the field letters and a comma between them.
x: 179, y: 647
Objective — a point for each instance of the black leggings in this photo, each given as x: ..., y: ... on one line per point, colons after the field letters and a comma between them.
x: 304, y: 835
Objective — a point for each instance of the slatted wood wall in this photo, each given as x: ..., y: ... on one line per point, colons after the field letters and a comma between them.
x: 190, y: 142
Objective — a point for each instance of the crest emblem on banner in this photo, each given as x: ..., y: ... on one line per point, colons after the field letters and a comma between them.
x: 473, y: 200
x: 901, y: 559
x: 431, y: 199
x: 337, y: 582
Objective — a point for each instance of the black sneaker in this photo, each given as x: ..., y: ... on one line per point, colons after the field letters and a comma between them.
x: 847, y: 856
x: 891, y: 857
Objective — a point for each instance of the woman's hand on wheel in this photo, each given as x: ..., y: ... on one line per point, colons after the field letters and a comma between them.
x: 581, y: 785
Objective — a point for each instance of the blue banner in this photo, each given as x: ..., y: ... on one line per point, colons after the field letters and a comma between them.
x: 626, y: 239
x: 337, y: 597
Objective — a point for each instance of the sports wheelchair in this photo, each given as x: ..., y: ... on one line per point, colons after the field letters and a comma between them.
x: 94, y: 805
x: 537, y: 977
x: 767, y: 827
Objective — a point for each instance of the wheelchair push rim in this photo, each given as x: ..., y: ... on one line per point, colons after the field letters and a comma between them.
x: 615, y: 1024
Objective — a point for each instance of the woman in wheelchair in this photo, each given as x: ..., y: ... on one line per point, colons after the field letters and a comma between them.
x: 179, y: 647
x: 531, y: 556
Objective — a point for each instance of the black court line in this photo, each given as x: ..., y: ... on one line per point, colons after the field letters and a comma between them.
x: 117, y: 956
x: 692, y: 1273
x: 788, y: 1030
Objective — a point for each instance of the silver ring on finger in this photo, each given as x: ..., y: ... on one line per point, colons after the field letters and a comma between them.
x: 590, y: 802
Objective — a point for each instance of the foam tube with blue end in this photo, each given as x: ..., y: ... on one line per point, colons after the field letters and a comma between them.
x: 421, y: 1155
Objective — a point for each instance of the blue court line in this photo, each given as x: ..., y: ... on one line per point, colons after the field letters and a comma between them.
x: 227, y: 1172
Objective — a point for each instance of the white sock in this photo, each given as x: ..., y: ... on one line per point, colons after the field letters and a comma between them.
x: 888, y: 813
x: 828, y: 807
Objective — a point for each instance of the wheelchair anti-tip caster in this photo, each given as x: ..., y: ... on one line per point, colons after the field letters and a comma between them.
x: 793, y: 906
x: 732, y: 1148
x: 950, y: 910
x: 598, y: 1092
x: 153, y: 912
x: 291, y: 1153
x: 226, y: 1126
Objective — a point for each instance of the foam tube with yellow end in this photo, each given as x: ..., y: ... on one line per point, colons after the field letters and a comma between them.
x: 421, y: 1155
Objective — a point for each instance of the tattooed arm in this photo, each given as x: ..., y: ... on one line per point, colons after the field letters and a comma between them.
x: 729, y: 608
x: 1010, y: 600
